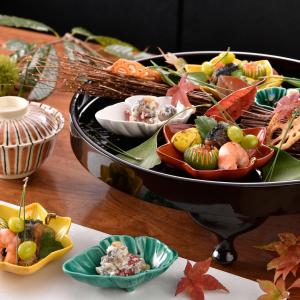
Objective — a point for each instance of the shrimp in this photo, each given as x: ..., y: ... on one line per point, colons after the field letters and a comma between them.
x: 8, y: 243
x: 135, y: 69
x: 232, y: 156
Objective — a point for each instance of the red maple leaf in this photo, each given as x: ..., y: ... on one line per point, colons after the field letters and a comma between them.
x: 287, y: 104
x: 233, y: 104
x: 179, y: 92
x: 196, y: 281
x: 273, y: 291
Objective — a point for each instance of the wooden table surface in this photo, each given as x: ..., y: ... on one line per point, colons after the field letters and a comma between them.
x: 63, y: 186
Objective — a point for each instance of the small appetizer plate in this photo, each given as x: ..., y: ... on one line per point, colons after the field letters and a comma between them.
x: 113, y: 117
x: 268, y: 97
x: 60, y: 225
x: 170, y: 155
x: 155, y: 253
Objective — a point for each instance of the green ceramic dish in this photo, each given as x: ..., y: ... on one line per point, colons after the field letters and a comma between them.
x: 267, y: 98
x: 157, y: 254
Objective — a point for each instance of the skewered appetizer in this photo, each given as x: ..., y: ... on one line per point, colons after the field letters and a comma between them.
x: 26, y: 241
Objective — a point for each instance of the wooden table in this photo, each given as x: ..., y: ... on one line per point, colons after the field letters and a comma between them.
x: 63, y: 186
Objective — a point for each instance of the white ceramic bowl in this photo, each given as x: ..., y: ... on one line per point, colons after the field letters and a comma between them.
x: 113, y: 118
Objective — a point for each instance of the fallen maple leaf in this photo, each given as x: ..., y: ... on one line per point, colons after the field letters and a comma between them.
x: 288, y: 249
x: 296, y: 284
x: 286, y: 240
x: 196, y: 281
x: 273, y: 291
x: 179, y: 92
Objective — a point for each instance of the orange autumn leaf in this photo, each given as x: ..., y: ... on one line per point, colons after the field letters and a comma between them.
x: 296, y: 284
x: 286, y: 263
x: 288, y: 249
x: 196, y: 281
x: 273, y: 291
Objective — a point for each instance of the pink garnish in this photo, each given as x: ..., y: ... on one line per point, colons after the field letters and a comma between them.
x: 287, y: 104
x: 179, y: 92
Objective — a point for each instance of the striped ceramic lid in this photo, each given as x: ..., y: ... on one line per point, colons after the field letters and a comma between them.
x: 24, y: 123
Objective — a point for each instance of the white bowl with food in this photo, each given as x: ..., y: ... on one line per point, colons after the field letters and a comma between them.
x: 141, y: 115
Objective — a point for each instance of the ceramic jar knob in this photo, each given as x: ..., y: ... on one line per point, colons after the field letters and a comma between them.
x: 12, y: 107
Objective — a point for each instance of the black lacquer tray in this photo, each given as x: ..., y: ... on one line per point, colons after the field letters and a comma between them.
x: 225, y: 208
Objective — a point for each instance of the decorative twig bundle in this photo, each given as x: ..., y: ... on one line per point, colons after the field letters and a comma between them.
x: 92, y: 75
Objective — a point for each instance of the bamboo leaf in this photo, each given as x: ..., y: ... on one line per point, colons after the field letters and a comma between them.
x: 13, y: 21
x: 146, y: 151
x: 125, y: 52
x: 286, y: 168
x: 70, y: 47
x: 81, y: 31
x: 292, y: 81
x: 20, y: 48
x: 107, y: 41
x: 47, y: 79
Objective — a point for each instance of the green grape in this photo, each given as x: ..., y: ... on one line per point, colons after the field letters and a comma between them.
x: 26, y: 250
x: 227, y: 57
x: 249, y: 141
x: 207, y: 68
x: 235, y: 134
x: 16, y: 224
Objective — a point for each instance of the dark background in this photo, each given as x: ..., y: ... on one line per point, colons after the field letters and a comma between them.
x: 264, y: 26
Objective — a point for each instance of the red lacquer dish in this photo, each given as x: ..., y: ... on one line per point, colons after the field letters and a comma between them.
x: 258, y: 156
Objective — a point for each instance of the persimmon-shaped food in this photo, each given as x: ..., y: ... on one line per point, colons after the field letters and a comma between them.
x: 202, y: 157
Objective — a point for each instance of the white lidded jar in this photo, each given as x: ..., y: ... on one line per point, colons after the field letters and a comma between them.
x: 27, y: 135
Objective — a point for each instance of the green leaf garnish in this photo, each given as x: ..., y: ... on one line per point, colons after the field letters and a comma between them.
x: 286, y: 168
x: 47, y: 78
x: 13, y: 21
x: 81, y: 31
x: 146, y: 151
x: 125, y: 52
x: 204, y: 125
x: 197, y: 77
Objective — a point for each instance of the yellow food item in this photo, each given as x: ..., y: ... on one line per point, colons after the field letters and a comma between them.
x: 186, y: 138
x: 189, y: 68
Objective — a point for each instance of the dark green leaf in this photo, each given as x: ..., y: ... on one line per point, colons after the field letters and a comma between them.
x: 205, y: 125
x: 146, y: 151
x: 71, y: 47
x: 15, y: 45
x: 107, y: 41
x: 81, y: 31
x: 20, y: 48
x: 286, y: 168
x: 125, y: 52
x: 13, y: 21
x: 197, y: 77
x: 47, y: 78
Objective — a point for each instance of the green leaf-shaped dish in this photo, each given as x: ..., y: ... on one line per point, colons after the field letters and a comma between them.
x: 268, y: 98
x: 157, y: 254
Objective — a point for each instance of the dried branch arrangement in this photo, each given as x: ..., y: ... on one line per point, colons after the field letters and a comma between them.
x: 93, y: 75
